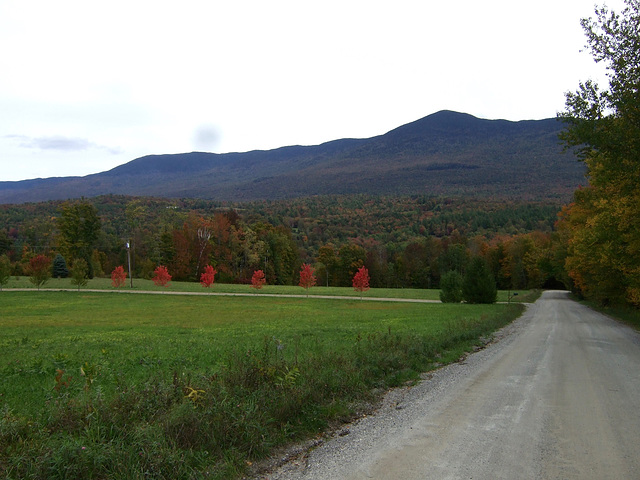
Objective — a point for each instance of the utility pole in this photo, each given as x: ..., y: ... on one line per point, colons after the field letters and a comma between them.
x: 129, y: 262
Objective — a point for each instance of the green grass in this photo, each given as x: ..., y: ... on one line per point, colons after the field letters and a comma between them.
x: 626, y: 314
x: 164, y: 386
x: 140, y: 285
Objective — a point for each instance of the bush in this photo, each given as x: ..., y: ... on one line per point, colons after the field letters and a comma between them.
x: 451, y: 287
x: 479, y: 285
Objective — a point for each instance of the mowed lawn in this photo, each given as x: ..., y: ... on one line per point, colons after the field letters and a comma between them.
x: 133, y: 336
x: 143, y: 285
x: 70, y: 361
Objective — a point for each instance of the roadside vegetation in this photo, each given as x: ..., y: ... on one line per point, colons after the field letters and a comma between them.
x: 172, y: 386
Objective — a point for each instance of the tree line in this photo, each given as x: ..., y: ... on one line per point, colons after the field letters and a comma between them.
x: 237, y: 242
x: 600, y: 226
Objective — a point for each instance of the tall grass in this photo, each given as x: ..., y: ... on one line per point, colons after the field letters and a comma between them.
x: 148, y: 386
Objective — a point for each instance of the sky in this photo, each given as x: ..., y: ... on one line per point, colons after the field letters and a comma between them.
x: 86, y: 86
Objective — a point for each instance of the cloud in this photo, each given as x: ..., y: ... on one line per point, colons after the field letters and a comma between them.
x: 206, y: 137
x: 61, y: 143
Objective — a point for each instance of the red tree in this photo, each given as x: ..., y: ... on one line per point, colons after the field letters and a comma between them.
x: 208, y: 277
x: 307, y: 277
x: 361, y: 280
x: 258, y: 280
x: 40, y: 270
x: 118, y: 277
x: 161, y: 276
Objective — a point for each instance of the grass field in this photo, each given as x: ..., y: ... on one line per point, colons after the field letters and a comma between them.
x: 140, y: 285
x: 99, y: 385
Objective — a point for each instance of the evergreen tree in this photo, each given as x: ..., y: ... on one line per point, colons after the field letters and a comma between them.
x: 451, y: 287
x: 60, y: 267
x: 479, y: 285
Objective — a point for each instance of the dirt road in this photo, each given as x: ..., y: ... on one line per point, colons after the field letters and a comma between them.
x: 558, y: 397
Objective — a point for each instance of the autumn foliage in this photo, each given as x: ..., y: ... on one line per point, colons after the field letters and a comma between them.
x: 307, y: 277
x: 118, y: 277
x: 361, y: 280
x: 601, y: 225
x: 208, y: 276
x: 161, y: 276
x: 40, y: 270
x: 258, y: 280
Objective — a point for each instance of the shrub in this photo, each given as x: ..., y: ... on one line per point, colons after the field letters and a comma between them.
x: 161, y: 276
x: 258, y: 280
x: 451, y: 287
x: 118, y: 277
x: 208, y: 277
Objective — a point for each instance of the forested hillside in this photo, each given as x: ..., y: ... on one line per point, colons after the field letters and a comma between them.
x: 446, y: 154
x: 403, y: 241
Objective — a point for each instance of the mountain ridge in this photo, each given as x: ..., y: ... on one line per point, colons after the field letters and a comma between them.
x: 446, y: 153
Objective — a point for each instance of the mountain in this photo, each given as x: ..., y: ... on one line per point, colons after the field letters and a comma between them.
x: 447, y: 153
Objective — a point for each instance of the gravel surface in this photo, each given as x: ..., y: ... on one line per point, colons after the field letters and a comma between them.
x: 553, y: 396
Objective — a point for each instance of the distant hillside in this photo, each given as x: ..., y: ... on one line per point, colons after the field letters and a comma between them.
x: 446, y: 153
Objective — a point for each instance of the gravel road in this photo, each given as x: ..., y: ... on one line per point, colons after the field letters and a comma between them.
x: 556, y: 397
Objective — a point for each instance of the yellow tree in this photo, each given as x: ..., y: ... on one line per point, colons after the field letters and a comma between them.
x: 603, y: 235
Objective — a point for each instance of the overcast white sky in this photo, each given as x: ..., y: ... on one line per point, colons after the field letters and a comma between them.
x: 86, y: 86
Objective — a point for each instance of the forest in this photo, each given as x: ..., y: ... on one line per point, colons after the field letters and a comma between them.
x: 403, y: 241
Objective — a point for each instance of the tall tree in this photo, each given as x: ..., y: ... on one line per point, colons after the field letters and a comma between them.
x: 479, y: 285
x: 79, y: 228
x: 5, y: 270
x: 604, y: 238
x: 351, y: 258
x: 328, y: 263
x: 5, y: 242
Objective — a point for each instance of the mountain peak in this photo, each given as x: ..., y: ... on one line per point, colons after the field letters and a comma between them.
x: 446, y: 153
